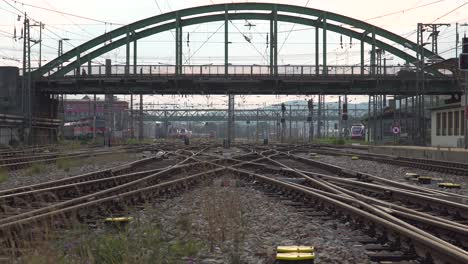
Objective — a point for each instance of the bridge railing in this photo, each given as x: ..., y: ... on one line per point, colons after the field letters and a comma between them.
x: 242, y: 70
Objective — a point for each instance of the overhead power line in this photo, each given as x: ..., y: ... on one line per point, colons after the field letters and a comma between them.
x: 63, y: 13
x: 405, y: 10
x: 451, y: 11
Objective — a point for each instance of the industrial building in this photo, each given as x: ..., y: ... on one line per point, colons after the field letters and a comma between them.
x: 448, y: 126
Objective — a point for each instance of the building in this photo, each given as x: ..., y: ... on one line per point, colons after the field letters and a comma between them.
x: 448, y: 125
x: 15, y: 125
x: 79, y: 118
x: 76, y: 109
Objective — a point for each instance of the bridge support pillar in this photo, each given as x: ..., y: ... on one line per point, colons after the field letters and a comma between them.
x: 140, y: 121
x: 132, y: 119
x: 108, y: 110
x: 231, y: 120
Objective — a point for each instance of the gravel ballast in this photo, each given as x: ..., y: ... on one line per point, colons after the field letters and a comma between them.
x: 396, y: 173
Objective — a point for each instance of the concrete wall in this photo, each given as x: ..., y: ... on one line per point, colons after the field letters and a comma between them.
x: 8, y: 135
x: 454, y: 155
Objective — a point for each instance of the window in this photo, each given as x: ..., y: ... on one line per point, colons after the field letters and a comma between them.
x: 456, y: 130
x: 444, y: 124
x: 438, y: 124
x: 450, y: 123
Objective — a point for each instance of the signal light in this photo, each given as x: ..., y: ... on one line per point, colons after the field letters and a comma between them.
x: 463, y: 62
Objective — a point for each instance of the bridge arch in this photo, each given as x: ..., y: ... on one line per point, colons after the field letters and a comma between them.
x: 225, y: 12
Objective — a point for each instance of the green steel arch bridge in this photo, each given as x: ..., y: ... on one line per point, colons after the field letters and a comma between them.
x: 64, y: 75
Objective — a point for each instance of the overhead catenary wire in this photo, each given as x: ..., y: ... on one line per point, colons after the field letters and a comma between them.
x: 63, y: 13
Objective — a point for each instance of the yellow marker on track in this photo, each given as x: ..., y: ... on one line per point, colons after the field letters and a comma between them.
x: 295, y: 249
x: 450, y: 185
x: 295, y: 256
x: 118, y: 219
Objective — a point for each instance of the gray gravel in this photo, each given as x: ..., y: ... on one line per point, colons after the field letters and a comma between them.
x: 265, y: 222
x: 51, y: 171
x: 396, y: 173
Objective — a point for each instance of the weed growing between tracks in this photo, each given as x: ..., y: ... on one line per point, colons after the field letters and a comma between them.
x: 4, y: 175
x: 36, y: 168
x: 225, y: 224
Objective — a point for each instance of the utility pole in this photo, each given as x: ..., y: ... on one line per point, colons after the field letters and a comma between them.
x: 283, y: 122
x: 310, y: 119
x: 27, y: 90
x: 339, y: 117
x: 433, y: 30
x: 141, y: 127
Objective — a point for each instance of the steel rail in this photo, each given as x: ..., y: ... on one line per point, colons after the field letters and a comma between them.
x: 105, y: 173
x: 440, y: 250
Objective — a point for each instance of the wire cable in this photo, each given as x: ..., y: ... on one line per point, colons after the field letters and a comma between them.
x: 64, y: 13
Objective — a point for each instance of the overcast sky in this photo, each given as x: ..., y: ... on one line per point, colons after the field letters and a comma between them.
x: 205, y: 44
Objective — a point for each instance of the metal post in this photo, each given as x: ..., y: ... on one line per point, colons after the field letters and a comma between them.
x: 140, y: 128
x: 257, y: 128
x: 290, y: 122
x: 226, y: 41
x: 40, y: 44
x: 127, y: 53
x: 362, y: 57
x: 317, y: 51
x: 466, y: 110
x: 132, y: 122
x: 324, y: 43
x: 319, y: 117
x: 178, y: 41
x: 373, y: 53
x: 230, y: 125
x: 339, y: 117
x: 108, y: 109
x: 271, y: 47
x: 275, y: 28
x: 135, y: 56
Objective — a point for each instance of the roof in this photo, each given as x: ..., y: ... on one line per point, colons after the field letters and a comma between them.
x: 446, y: 106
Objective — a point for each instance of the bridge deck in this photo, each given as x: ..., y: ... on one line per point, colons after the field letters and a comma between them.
x: 244, y: 80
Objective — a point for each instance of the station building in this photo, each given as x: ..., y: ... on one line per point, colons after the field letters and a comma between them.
x: 448, y: 125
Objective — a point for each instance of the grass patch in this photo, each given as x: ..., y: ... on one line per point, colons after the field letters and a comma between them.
x: 36, y: 168
x: 4, y: 175
x: 67, y: 163
x: 144, y: 243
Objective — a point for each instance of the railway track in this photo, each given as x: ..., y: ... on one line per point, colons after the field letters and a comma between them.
x: 455, y: 168
x: 405, y: 222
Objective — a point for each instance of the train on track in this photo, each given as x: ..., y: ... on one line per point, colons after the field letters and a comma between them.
x: 358, y: 132
x: 181, y: 133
